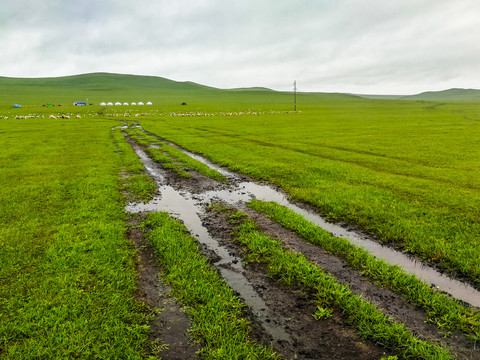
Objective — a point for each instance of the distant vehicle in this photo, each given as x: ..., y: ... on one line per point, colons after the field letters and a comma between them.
x: 80, y: 103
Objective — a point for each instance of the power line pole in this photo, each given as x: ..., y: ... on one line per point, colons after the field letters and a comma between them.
x: 295, y: 95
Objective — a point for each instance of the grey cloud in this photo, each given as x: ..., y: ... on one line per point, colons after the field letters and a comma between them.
x: 345, y: 45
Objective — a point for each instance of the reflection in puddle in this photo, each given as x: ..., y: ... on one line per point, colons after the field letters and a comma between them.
x: 245, y: 191
x: 183, y: 206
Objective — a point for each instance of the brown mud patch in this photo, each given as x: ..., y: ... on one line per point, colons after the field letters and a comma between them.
x: 169, y: 324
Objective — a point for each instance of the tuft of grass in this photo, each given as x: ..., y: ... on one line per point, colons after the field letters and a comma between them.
x: 140, y: 187
x: 216, y: 312
x: 171, y: 157
x: 137, y: 185
x: 168, y: 162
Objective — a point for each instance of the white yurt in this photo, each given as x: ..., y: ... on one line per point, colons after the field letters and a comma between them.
x: 118, y: 103
x: 125, y: 103
x: 141, y: 103
x: 149, y: 103
x: 103, y: 104
x: 134, y: 103
x: 109, y: 104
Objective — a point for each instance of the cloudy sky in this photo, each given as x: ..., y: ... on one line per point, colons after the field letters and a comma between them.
x: 357, y: 46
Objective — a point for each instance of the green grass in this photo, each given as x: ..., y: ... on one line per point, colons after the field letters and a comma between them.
x: 404, y: 171
x: 442, y: 310
x: 67, y: 278
x: 171, y: 157
x: 215, y: 310
x: 471, y: 95
x: 294, y: 268
x: 136, y: 184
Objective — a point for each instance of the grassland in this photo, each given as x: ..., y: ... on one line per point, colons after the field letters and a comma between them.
x: 294, y: 268
x: 405, y: 171
x: 68, y: 276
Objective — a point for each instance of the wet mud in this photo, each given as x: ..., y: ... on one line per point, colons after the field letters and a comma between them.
x: 169, y: 324
x: 243, y: 189
x: 291, y: 307
x: 282, y: 316
x: 389, y: 302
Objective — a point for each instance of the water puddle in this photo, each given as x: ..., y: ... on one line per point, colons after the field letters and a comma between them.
x: 245, y: 191
x: 183, y: 206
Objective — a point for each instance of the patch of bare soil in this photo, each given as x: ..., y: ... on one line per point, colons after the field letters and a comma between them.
x: 170, y: 324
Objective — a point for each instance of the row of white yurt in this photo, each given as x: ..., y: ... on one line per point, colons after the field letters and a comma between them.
x: 125, y: 103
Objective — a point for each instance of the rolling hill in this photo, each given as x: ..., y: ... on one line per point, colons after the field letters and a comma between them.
x: 95, y: 87
x: 467, y: 95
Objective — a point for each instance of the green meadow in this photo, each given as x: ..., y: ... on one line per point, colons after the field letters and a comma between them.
x: 405, y: 171
x: 67, y: 274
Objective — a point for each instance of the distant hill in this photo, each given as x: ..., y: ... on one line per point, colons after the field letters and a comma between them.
x: 95, y: 87
x: 467, y: 95
x: 380, y: 97
x: 453, y: 95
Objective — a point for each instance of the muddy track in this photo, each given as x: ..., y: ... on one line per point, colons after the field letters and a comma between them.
x: 169, y: 324
x: 284, y: 317
x: 291, y: 307
x: 428, y: 272
x: 390, y: 303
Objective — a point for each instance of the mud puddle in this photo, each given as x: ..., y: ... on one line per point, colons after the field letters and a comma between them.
x: 281, y: 316
x: 243, y: 191
x: 183, y: 207
x: 169, y: 324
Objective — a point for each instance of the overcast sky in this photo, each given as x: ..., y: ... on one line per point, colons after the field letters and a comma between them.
x: 356, y: 46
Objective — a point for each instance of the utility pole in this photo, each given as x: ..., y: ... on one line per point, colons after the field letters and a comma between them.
x: 295, y: 95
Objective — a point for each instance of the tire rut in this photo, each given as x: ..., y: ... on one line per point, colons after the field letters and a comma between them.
x: 169, y: 325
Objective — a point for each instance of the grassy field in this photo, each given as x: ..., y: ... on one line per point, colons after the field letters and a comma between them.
x: 405, y: 171
x: 68, y: 276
